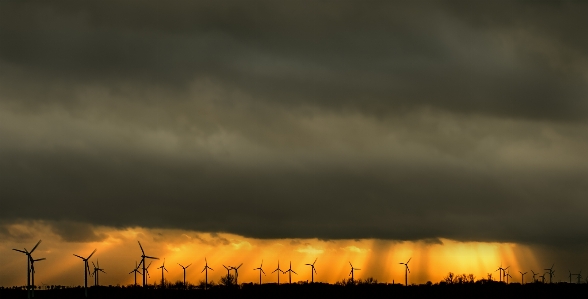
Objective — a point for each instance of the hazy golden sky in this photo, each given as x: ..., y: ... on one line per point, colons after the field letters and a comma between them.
x: 380, y: 259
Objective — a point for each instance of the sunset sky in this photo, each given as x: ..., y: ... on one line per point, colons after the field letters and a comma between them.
x: 452, y: 132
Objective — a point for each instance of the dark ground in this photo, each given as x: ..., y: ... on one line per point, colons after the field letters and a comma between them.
x: 489, y: 290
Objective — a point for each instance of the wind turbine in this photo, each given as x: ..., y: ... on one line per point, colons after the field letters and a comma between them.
x: 228, y: 273
x: 579, y: 276
x: 534, y: 274
x: 237, y: 274
x: 185, y: 286
x: 551, y: 272
x: 143, y: 257
x: 147, y: 272
x: 260, y: 271
x: 136, y: 271
x: 523, y: 277
x: 351, y: 273
x: 29, y: 258
x: 500, y: 271
x: 206, y: 269
x: 406, y: 271
x: 570, y: 275
x: 290, y: 271
x: 312, y: 270
x: 33, y: 274
x: 96, y: 270
x: 279, y: 270
x: 86, y: 271
x: 162, y: 267
x: 507, y: 275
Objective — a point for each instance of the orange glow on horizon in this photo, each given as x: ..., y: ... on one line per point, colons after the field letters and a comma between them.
x: 379, y: 259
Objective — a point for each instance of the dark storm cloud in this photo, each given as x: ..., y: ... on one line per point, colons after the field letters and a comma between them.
x: 298, y: 119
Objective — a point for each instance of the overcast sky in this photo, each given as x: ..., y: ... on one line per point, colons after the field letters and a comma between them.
x: 297, y: 119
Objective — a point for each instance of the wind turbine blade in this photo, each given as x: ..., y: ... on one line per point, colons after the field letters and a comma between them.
x: 20, y: 251
x: 240, y: 266
x: 151, y: 257
x: 165, y: 270
x: 409, y: 260
x: 315, y: 260
x: 188, y: 266
x: 41, y: 259
x: 350, y: 265
x: 203, y: 270
x: 79, y: 256
x: 141, y: 247
x: 92, y: 254
x: 93, y: 265
x: 35, y: 246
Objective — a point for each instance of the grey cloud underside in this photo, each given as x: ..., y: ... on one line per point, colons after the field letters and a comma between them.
x: 303, y: 119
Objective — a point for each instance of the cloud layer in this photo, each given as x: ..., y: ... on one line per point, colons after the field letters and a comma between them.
x: 299, y: 120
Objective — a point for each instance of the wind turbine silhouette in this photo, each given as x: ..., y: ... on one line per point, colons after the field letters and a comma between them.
x: 406, y: 271
x: 312, y: 269
x: 260, y: 271
x: 206, y: 269
x: 534, y: 274
x: 136, y: 271
x: 351, y: 273
x: 86, y: 271
x: 570, y: 275
x: 237, y: 274
x: 29, y: 259
x: 290, y: 271
x: 579, y: 276
x: 500, y: 271
x: 228, y: 272
x: 143, y: 257
x: 96, y: 270
x: 147, y: 273
x: 522, y: 277
x: 162, y: 267
x: 507, y: 275
x: 33, y: 274
x: 185, y: 286
x: 279, y: 270
x: 550, y: 272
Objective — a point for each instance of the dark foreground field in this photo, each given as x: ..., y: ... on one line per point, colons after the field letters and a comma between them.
x: 490, y: 290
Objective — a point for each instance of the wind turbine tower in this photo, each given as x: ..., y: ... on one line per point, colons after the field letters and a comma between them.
x: 522, y: 277
x: 96, y: 270
x: 29, y: 259
x: 500, y: 271
x: 206, y: 269
x: 279, y: 270
x: 185, y: 285
x: 406, y: 271
x: 290, y: 271
x: 33, y: 274
x: 143, y: 257
x: 312, y: 270
x: 86, y: 271
x: 237, y: 274
x: 162, y: 267
x: 260, y: 271
x: 136, y: 271
x: 351, y: 273
x: 550, y: 272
